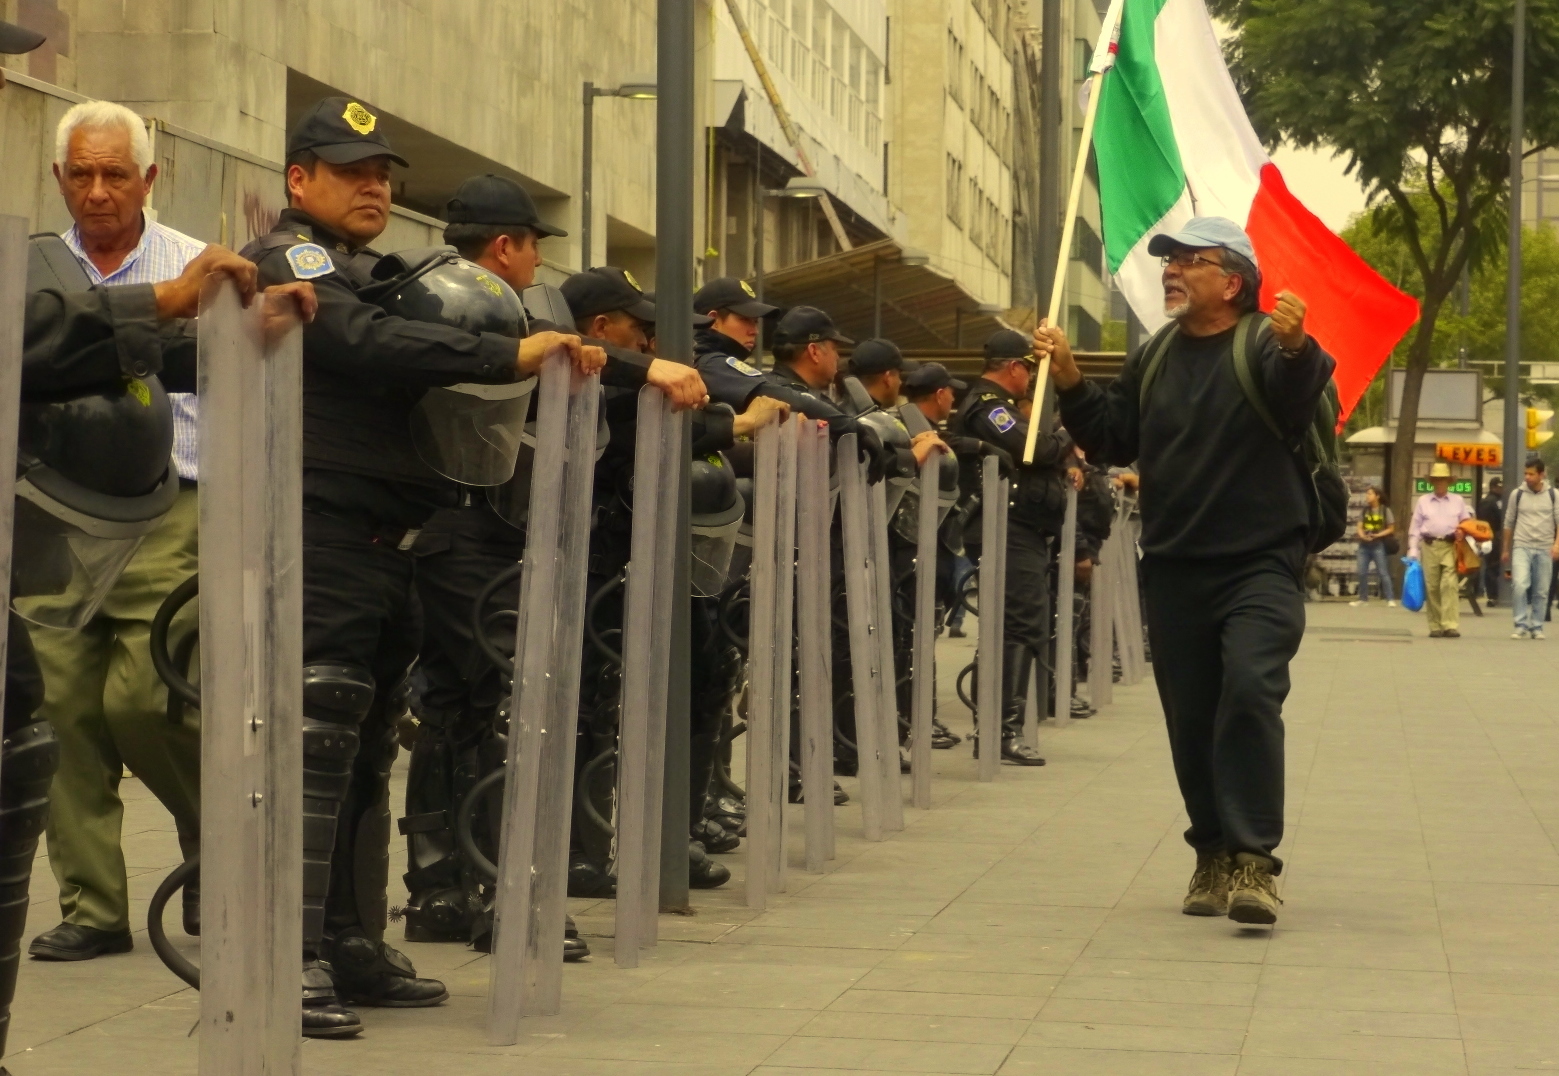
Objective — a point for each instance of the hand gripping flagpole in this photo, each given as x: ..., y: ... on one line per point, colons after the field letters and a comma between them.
x: 1103, y: 60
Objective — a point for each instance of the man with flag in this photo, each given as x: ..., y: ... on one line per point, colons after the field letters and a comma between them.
x: 1225, y: 519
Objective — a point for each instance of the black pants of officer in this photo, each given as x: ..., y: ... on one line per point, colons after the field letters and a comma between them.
x: 1026, y: 624
x: 27, y: 764
x: 459, y: 553
x: 1223, y: 632
x: 361, y: 633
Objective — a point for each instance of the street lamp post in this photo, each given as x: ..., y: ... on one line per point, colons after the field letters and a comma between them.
x: 639, y: 89
x: 1515, y: 445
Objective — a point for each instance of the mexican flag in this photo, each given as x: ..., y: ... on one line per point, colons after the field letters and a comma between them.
x: 1173, y: 142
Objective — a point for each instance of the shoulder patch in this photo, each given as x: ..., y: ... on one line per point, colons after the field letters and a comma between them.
x: 987, y: 396
x: 741, y: 367
x: 309, y: 260
x: 1002, y: 419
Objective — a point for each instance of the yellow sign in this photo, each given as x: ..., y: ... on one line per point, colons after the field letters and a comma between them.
x: 359, y: 118
x: 1472, y: 455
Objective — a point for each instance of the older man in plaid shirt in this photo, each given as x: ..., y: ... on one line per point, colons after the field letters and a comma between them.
x: 104, y: 699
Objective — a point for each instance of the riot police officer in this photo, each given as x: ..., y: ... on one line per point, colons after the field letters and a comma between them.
x: 367, y: 492
x: 990, y: 412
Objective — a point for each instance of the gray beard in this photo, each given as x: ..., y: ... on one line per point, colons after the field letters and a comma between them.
x: 1175, y: 313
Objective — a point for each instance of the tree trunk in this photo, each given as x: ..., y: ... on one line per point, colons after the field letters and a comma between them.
x: 1401, y: 477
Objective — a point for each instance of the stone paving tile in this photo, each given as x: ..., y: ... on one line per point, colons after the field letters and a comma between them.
x: 1029, y: 926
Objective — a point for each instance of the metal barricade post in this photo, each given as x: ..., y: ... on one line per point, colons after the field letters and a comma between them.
x: 761, y: 666
x: 1066, y: 579
x: 887, y: 682
x: 250, y: 381
x: 865, y: 656
x: 1101, y: 622
x: 814, y: 642
x: 526, y: 968
x: 993, y: 547
x: 923, y: 675
x: 784, y: 637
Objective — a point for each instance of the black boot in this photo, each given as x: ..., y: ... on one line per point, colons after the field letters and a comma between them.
x: 370, y: 972
x: 703, y: 872
x: 1014, y: 693
x: 574, y: 947
x: 28, y: 759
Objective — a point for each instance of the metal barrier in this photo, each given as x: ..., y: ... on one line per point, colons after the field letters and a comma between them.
x: 993, y: 556
x: 1064, y: 614
x: 865, y: 655
x: 887, y: 680
x: 814, y: 641
x: 923, y: 681
x: 251, y: 657
x: 527, y: 961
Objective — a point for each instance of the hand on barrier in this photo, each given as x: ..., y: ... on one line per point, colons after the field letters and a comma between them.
x: 925, y: 443
x: 180, y: 297
x: 873, y: 452
x: 587, y: 358
x: 760, y: 412
x: 680, y: 382
x: 1051, y: 340
x: 302, y: 294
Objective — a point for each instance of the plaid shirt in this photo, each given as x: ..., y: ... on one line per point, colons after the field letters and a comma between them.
x: 161, y: 255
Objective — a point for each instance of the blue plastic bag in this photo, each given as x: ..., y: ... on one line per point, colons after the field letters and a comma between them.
x: 1412, y: 585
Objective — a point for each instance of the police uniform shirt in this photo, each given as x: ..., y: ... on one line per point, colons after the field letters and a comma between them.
x: 81, y: 340
x: 729, y: 376
x: 990, y: 414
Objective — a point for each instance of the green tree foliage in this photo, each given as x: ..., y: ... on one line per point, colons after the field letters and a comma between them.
x: 1415, y: 94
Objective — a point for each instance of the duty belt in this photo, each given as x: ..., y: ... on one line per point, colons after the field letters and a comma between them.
x: 397, y: 538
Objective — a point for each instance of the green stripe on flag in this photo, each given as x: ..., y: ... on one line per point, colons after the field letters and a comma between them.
x: 1141, y: 176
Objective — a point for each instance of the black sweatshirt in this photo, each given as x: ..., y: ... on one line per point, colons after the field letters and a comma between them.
x: 1215, y: 481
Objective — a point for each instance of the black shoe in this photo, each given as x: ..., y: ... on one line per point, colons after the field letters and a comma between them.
x: 841, y: 797
x: 324, y: 1017
x: 368, y: 972
x: 703, y: 872
x: 589, y: 880
x: 71, y: 942
x: 956, y: 633
x: 1082, y: 709
x: 574, y: 947
x: 943, y: 738
x: 714, y: 837
x: 1017, y: 752
x: 192, y: 908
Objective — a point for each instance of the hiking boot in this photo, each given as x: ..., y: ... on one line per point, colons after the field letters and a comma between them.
x: 1209, y: 892
x: 1253, y: 891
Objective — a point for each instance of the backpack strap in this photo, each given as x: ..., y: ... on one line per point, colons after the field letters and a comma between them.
x: 1157, y: 348
x: 1247, y: 346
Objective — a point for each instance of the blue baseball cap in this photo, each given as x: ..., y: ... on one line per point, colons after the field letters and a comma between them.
x: 1202, y: 233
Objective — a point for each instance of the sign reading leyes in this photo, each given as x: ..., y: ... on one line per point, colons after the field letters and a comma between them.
x: 1472, y: 455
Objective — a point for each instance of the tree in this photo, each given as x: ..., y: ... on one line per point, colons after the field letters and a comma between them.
x: 1415, y: 94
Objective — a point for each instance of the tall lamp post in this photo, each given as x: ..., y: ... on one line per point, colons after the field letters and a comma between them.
x: 1515, y: 444
x: 639, y: 89
x: 795, y: 187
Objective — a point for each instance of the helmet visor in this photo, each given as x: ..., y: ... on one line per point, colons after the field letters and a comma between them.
x: 471, y: 433
x: 711, y: 549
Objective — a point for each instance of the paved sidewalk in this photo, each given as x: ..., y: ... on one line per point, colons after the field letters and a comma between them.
x: 1032, y: 926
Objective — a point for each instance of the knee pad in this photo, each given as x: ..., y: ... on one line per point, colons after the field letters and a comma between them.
x: 335, y: 700
x: 28, y: 759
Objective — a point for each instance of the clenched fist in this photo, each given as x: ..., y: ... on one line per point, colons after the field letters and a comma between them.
x: 1288, y: 321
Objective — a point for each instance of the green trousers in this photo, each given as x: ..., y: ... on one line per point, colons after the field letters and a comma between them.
x: 110, y: 711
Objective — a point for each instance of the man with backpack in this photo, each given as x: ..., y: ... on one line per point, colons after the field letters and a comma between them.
x: 1531, y: 548
x: 1223, y: 410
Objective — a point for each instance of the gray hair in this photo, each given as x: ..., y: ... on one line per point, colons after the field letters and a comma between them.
x: 1250, y: 280
x: 96, y: 115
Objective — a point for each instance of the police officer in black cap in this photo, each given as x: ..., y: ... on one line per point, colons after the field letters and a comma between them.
x: 990, y: 413
x: 722, y: 349
x: 879, y: 366
x: 367, y: 492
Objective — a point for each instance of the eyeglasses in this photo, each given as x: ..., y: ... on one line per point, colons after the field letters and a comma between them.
x: 1187, y: 258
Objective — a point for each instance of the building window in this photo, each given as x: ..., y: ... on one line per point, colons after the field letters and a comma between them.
x: 955, y: 68
x: 1086, y: 246
x: 976, y: 213
x: 1084, y: 330
x: 955, y: 190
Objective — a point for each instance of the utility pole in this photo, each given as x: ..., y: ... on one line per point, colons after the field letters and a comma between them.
x: 1515, y: 442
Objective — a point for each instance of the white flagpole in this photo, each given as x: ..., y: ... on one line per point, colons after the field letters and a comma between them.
x: 1103, y: 60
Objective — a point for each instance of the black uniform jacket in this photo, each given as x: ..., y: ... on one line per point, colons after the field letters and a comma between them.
x: 990, y: 414
x: 78, y: 341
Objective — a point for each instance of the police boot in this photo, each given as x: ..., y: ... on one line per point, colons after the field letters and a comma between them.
x: 1014, y: 691
x: 367, y: 971
x: 703, y: 872
x: 28, y: 759
x: 336, y: 698
x: 440, y: 907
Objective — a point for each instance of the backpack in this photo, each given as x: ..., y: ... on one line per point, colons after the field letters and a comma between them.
x: 1314, y: 451
x: 1516, y: 517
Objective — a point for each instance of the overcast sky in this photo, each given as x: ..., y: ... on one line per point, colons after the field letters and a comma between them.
x: 1318, y: 181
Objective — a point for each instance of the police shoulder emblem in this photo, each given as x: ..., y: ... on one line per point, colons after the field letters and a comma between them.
x: 748, y: 289
x: 1002, y: 419
x: 359, y: 118
x: 741, y: 367
x: 140, y: 390
x: 489, y: 283
x: 309, y: 260
x: 629, y: 278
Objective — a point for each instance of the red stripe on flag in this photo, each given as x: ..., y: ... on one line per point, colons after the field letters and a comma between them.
x: 1354, y: 312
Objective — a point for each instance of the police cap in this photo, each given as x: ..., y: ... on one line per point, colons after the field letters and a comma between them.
x: 490, y: 199
x: 340, y: 131
x: 730, y: 293
x: 803, y: 325
x: 1008, y: 344
x: 15, y: 40
x: 604, y: 289
x: 928, y: 378
x: 876, y: 356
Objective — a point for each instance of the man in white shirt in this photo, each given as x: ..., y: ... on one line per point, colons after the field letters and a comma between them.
x: 108, y: 707
x: 1531, y: 547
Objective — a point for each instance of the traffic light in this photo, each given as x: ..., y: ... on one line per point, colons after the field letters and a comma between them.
x: 1537, y: 420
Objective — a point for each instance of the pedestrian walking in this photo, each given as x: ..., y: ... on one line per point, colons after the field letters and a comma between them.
x: 1431, y: 540
x: 1227, y: 514
x: 1531, y: 547
x: 1376, y: 535
x: 1491, y: 510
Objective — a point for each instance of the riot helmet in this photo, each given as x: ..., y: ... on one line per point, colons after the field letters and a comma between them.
x: 468, y: 433
x: 890, y: 430
x: 94, y: 475
x: 715, y: 511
